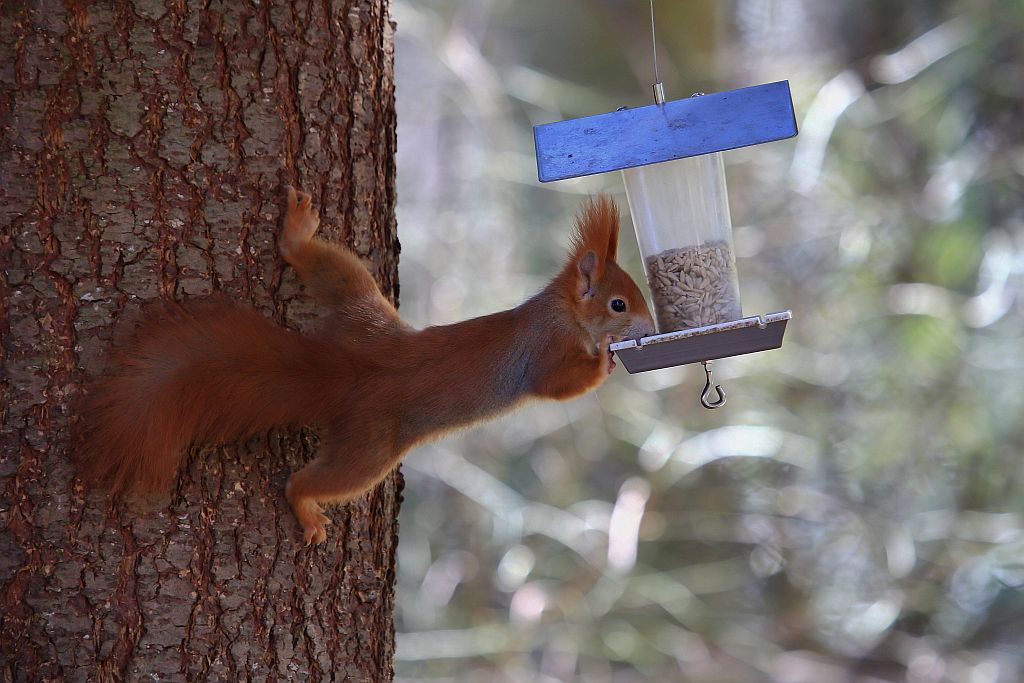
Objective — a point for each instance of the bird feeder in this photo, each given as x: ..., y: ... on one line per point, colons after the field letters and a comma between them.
x: 670, y: 156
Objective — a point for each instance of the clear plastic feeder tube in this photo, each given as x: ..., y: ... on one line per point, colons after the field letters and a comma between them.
x: 680, y: 211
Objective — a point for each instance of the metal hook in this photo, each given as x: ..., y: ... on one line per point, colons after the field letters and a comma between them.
x: 720, y: 401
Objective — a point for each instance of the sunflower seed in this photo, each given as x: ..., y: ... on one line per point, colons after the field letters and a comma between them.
x: 694, y: 286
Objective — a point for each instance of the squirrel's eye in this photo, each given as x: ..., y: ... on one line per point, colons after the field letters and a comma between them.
x: 618, y: 305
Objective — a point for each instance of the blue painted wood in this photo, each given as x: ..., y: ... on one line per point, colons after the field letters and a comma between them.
x: 662, y: 132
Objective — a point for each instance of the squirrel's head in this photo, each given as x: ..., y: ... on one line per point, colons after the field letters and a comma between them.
x: 607, y: 301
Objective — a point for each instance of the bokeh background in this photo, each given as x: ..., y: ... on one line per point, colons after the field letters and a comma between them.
x: 855, y: 512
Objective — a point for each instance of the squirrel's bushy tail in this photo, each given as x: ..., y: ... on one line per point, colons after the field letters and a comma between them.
x: 203, y: 372
x: 126, y: 440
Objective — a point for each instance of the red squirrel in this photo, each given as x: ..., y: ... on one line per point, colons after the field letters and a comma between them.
x: 211, y: 371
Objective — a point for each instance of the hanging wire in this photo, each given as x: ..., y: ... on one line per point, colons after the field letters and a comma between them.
x: 654, y: 46
x: 659, y: 88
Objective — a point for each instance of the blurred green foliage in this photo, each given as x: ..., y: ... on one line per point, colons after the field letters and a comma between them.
x: 855, y: 512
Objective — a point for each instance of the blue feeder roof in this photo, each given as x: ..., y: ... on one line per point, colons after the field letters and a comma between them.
x: 663, y: 132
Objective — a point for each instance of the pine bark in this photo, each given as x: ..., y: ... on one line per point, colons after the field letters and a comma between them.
x: 145, y: 149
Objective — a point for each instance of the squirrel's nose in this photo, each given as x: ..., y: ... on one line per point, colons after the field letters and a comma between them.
x: 640, y: 329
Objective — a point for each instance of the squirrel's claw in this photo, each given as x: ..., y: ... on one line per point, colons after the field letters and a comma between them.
x: 314, y: 536
x: 300, y: 223
x: 314, y: 532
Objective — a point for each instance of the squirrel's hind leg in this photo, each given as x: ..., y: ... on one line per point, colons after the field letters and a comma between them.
x: 339, y: 474
x: 307, y: 511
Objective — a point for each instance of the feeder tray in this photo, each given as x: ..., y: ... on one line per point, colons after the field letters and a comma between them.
x: 702, y: 344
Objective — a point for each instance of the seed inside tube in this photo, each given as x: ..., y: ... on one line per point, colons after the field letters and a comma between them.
x: 694, y: 286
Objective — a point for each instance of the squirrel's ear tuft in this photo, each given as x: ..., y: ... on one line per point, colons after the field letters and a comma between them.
x: 597, y: 230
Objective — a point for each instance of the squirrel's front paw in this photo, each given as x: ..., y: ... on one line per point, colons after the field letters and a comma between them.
x: 300, y: 223
x: 605, y: 350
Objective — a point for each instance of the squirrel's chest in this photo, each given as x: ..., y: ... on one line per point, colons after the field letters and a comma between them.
x: 574, y: 375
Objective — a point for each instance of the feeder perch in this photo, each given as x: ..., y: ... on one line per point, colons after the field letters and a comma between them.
x: 670, y: 157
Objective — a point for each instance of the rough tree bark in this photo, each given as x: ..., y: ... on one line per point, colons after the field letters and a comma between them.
x: 145, y: 147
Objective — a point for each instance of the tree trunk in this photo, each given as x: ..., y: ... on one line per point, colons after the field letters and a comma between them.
x: 145, y: 150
